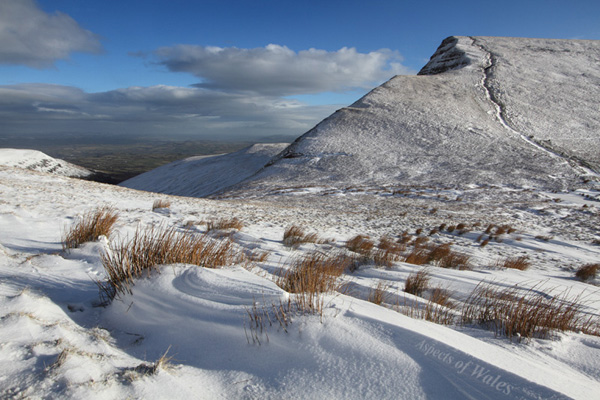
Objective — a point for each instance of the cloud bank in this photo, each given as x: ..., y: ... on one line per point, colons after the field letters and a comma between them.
x: 278, y: 71
x: 157, y: 111
x: 31, y: 37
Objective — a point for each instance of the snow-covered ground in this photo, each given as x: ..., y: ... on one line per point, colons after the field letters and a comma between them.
x: 37, y: 161
x: 58, y: 342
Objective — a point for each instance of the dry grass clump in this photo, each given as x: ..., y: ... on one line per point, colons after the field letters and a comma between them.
x: 438, y: 309
x: 154, y: 246
x: 224, y: 223
x: 90, y: 227
x: 418, y: 256
x: 258, y: 255
x: 417, y: 282
x: 387, y: 243
x: 441, y: 296
x: 385, y: 258
x: 160, y: 203
x: 521, y: 263
x: 360, y: 244
x: 440, y: 255
x: 455, y: 260
x: 527, y: 313
x: 311, y: 276
x: 294, y: 236
x: 378, y: 294
x: 587, y: 272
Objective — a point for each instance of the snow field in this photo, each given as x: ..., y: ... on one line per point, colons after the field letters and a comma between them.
x: 59, y: 343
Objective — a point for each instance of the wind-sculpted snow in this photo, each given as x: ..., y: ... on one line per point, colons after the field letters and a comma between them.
x: 202, y: 176
x: 37, y: 161
x: 57, y: 342
x: 483, y: 111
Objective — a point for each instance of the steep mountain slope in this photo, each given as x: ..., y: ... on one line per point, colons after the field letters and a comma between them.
x: 202, y: 176
x: 484, y: 110
x: 37, y: 161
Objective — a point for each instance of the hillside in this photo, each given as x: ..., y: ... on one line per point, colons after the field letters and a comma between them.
x: 37, y: 161
x: 204, y: 175
x: 483, y: 111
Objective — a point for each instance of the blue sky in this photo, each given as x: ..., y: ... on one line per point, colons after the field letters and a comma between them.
x: 231, y: 69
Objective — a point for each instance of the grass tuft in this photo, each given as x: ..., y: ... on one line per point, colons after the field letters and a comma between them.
x: 223, y: 224
x: 155, y: 246
x: 522, y: 313
x: 378, y: 294
x: 294, y: 235
x: 90, y: 227
x: 521, y: 263
x: 587, y: 272
x: 360, y: 244
x: 311, y: 276
x: 417, y: 283
x: 160, y: 203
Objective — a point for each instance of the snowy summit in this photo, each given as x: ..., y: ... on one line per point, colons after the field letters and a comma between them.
x: 483, y: 111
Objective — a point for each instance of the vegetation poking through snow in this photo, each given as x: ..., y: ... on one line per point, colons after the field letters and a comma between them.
x: 521, y: 263
x: 417, y: 282
x: 527, y: 313
x: 311, y: 276
x: 294, y: 236
x: 587, y: 272
x: 224, y: 223
x: 151, y: 247
x: 160, y: 203
x: 90, y: 227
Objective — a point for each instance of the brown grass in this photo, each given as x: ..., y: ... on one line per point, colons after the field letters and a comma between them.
x: 521, y: 263
x: 429, y: 311
x: 360, y: 244
x: 417, y: 257
x: 441, y: 296
x: 515, y: 312
x: 455, y: 260
x: 90, y: 227
x: 587, y: 272
x: 417, y: 282
x: 223, y: 224
x: 155, y: 246
x: 160, y: 203
x: 385, y: 258
x: 294, y: 235
x: 378, y: 294
x: 310, y: 277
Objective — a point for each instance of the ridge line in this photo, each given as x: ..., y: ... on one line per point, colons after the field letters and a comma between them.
x: 490, y: 62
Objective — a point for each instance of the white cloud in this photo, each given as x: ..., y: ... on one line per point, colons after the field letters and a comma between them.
x: 278, y: 71
x: 32, y: 37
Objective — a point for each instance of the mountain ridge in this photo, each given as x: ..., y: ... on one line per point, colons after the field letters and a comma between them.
x: 462, y: 120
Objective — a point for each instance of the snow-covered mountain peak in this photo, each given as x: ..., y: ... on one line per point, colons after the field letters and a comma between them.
x: 484, y: 111
x: 454, y: 52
